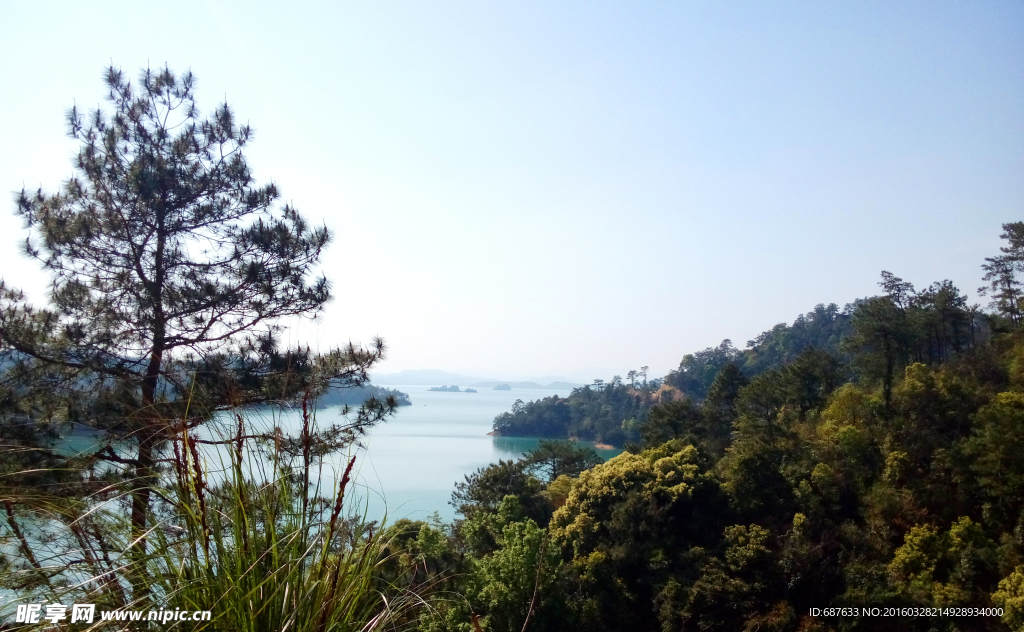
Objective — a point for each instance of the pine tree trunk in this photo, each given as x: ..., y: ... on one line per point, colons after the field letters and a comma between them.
x: 149, y: 438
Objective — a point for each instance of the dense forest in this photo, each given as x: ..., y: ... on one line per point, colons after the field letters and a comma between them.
x: 612, y: 412
x: 870, y: 457
x: 604, y: 414
x: 927, y: 326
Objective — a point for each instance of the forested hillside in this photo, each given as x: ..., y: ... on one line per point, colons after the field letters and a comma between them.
x: 612, y: 412
x: 605, y: 414
x: 869, y: 338
x: 866, y: 458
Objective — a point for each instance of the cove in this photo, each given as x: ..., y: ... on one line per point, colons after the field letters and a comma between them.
x: 411, y: 462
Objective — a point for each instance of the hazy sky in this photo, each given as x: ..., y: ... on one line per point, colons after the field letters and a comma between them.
x: 540, y: 187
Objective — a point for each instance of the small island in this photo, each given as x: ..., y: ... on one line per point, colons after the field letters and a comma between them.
x: 451, y: 389
x: 503, y: 387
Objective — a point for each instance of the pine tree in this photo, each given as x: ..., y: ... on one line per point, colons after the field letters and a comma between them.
x: 1001, y: 274
x: 170, y: 272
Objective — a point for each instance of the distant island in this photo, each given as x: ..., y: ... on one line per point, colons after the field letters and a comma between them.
x: 503, y: 387
x: 451, y: 389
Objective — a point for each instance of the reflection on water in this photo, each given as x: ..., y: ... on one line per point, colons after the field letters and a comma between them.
x: 516, y: 446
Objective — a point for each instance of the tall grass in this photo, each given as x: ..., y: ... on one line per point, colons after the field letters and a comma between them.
x: 242, y: 528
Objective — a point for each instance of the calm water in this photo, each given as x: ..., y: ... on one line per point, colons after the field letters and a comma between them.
x: 412, y: 461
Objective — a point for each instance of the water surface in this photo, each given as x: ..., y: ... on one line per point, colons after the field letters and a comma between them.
x: 412, y: 462
x: 409, y: 464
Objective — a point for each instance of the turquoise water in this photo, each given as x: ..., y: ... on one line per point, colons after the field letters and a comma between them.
x: 409, y: 464
x: 412, y: 462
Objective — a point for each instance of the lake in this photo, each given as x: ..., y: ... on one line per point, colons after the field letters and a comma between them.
x: 411, y: 462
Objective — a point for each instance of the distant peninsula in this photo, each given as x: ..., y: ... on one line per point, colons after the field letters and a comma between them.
x: 503, y: 387
x: 450, y: 389
x: 357, y: 395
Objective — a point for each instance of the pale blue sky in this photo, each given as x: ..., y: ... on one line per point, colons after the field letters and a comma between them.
x: 540, y: 187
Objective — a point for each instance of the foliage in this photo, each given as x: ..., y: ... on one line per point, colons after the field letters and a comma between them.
x: 1001, y: 274
x: 1010, y: 597
x: 864, y: 457
x: 484, y: 491
x: 170, y: 273
x: 904, y: 326
x: 246, y: 541
x: 552, y: 459
x: 630, y: 522
x: 697, y: 370
x: 592, y: 413
x: 359, y: 395
x: 517, y: 585
x: 822, y: 328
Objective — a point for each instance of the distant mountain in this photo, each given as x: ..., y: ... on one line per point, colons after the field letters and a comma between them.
x: 493, y: 383
x: 433, y: 377
x: 423, y: 377
x: 553, y: 385
x: 566, y: 386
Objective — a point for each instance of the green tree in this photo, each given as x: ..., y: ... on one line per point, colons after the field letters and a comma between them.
x: 628, y: 524
x: 944, y: 322
x: 943, y: 569
x: 759, y: 405
x: 996, y: 446
x: 879, y: 340
x: 170, y: 271
x: 1001, y: 274
x: 551, y: 459
x: 731, y: 589
x: 485, y: 489
x: 822, y: 328
x: 517, y: 585
x: 720, y: 408
x: 697, y: 371
x: 673, y: 420
x: 1003, y: 287
x: 1010, y: 597
x: 810, y: 378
